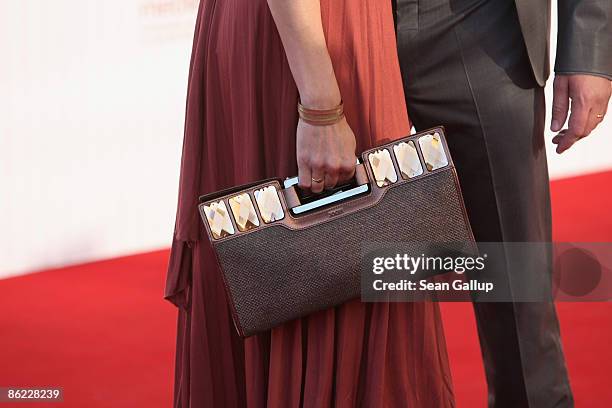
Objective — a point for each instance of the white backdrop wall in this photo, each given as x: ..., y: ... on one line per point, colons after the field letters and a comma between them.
x: 91, y: 117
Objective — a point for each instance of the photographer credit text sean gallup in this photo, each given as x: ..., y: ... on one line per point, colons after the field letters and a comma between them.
x: 472, y: 285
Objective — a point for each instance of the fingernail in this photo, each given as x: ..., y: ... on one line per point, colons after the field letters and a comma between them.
x: 554, y: 126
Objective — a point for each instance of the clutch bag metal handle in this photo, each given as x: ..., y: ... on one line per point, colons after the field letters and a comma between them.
x: 359, y: 185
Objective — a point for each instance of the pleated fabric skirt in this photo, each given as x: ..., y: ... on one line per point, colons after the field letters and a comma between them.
x: 240, y: 126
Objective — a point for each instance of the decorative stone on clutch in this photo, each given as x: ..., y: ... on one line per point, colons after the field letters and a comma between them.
x: 269, y: 204
x: 244, y: 212
x: 408, y: 159
x: 382, y: 167
x: 433, y: 151
x: 219, y: 219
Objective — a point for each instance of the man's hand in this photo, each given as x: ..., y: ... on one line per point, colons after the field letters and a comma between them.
x: 589, y: 95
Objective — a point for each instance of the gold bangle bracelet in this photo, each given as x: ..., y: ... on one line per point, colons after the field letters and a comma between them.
x: 321, y: 117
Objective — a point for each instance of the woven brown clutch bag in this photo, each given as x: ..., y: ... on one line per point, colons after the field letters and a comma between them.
x: 284, y: 255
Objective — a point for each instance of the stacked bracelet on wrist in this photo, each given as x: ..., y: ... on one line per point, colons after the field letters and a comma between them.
x: 321, y: 117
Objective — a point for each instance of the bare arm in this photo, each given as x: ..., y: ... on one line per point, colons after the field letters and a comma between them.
x: 323, y: 152
x: 299, y: 25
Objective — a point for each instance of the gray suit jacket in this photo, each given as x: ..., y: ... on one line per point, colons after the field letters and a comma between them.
x: 584, y: 40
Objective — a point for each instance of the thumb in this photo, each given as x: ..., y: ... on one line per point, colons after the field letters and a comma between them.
x: 560, y: 104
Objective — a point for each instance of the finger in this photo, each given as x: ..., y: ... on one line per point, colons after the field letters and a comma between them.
x: 331, y: 180
x: 598, y: 111
x: 578, y: 119
x: 592, y: 122
x: 317, y: 180
x: 304, y: 177
x: 560, y: 104
x: 559, y: 136
x: 332, y: 169
x: 317, y: 184
x: 347, y: 171
x: 566, y: 141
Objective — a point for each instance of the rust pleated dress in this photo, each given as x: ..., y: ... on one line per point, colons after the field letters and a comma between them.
x: 240, y: 126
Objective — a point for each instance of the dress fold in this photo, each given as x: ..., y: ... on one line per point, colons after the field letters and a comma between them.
x: 178, y: 276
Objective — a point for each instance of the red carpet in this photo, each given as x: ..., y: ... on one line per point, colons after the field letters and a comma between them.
x: 103, y: 333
